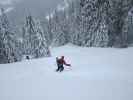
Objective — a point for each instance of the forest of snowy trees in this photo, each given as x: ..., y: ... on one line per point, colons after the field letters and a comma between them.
x: 32, y: 44
x: 93, y: 23
x: 90, y: 23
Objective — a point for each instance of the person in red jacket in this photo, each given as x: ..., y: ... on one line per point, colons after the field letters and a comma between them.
x: 60, y: 63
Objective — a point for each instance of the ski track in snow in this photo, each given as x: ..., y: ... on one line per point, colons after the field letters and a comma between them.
x: 96, y: 74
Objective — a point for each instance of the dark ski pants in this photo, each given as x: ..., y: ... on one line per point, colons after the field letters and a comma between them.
x: 60, y: 68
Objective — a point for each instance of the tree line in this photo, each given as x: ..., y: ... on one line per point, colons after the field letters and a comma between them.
x: 89, y: 23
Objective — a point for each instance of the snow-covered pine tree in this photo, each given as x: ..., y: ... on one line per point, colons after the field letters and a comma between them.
x: 58, y: 30
x: 130, y: 27
x: 47, y: 27
x: 7, y: 40
x: 110, y: 13
x: 117, y: 16
x: 34, y: 42
x: 100, y: 36
x: 74, y: 21
x: 94, y: 26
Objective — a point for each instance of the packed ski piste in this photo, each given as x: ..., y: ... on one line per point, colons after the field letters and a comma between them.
x: 97, y: 74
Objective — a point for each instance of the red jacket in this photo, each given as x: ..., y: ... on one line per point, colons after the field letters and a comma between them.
x: 62, y: 61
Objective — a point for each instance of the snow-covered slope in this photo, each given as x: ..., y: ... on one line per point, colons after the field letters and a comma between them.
x: 97, y: 74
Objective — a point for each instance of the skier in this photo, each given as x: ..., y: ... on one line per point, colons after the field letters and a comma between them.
x: 27, y: 57
x: 60, y: 62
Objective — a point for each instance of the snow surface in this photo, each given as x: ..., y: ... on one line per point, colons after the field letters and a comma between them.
x: 97, y: 74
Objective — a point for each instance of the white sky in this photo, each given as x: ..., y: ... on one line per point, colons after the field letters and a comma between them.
x: 7, y: 2
x: 9, y: 5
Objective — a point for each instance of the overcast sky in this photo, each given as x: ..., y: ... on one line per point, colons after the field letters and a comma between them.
x: 42, y: 5
x: 30, y: 3
x: 8, y: 2
x: 11, y: 2
x: 18, y: 8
